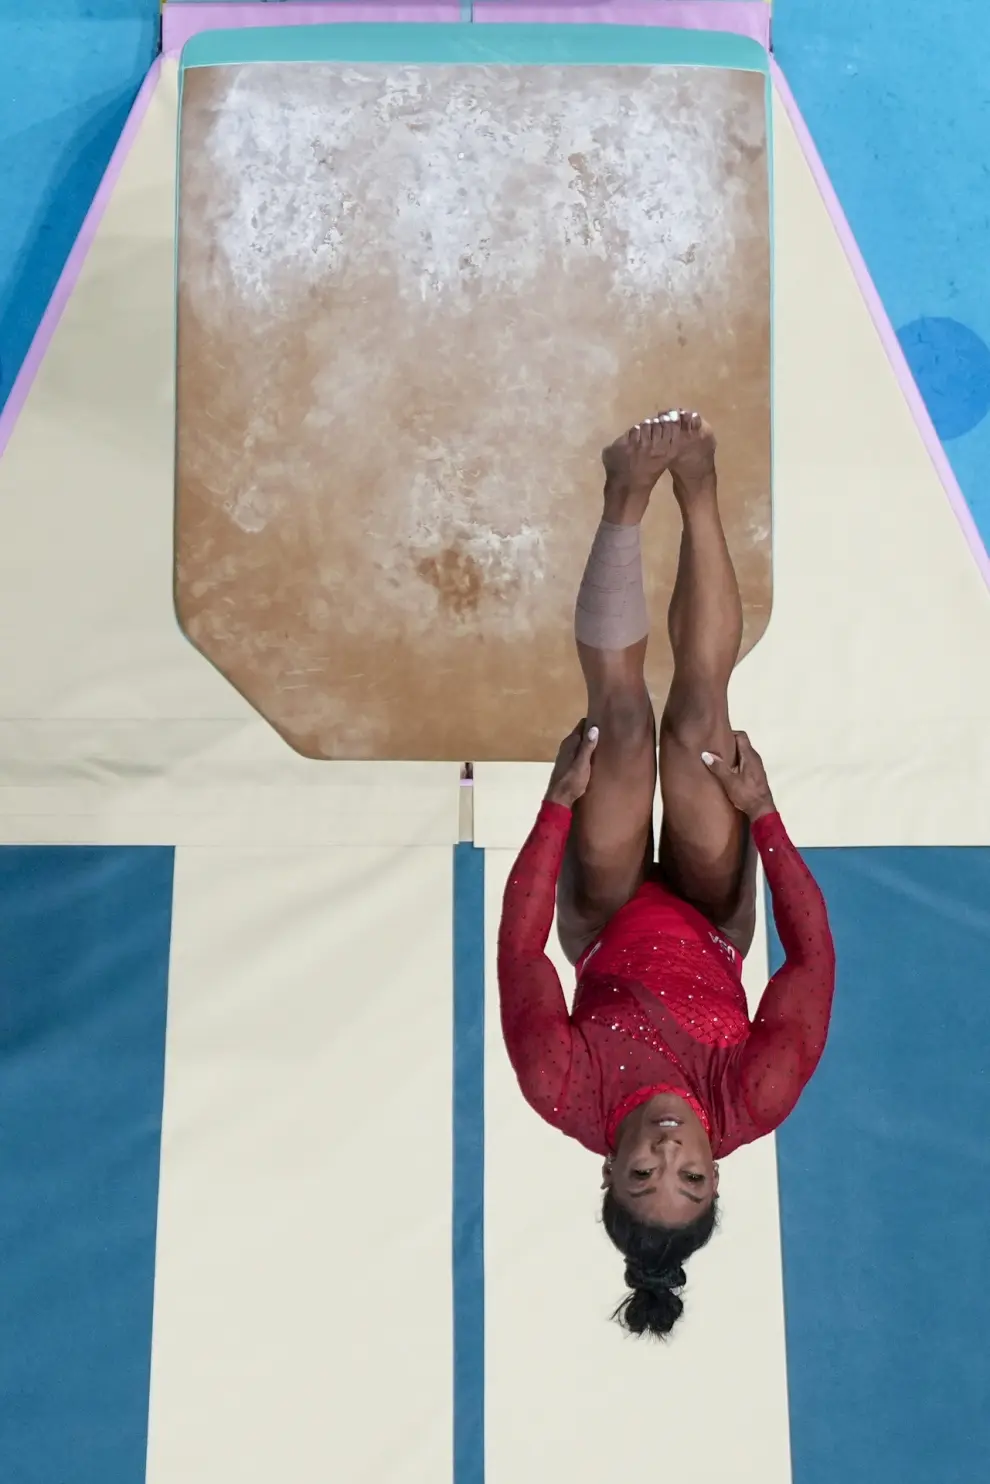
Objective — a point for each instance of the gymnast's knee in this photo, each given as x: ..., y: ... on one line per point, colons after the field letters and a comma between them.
x: 697, y: 722
x: 625, y: 720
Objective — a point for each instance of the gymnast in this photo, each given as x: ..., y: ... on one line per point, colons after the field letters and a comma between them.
x: 657, y: 1066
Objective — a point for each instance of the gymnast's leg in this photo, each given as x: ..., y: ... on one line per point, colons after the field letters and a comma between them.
x: 705, y: 852
x: 611, y: 841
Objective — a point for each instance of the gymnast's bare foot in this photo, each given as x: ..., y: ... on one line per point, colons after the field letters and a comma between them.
x: 634, y: 463
x: 692, y: 465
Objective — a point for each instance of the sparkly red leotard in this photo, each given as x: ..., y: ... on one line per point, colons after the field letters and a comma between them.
x: 660, y: 1005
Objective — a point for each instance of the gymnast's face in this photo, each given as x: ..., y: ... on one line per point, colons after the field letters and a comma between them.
x: 662, y: 1169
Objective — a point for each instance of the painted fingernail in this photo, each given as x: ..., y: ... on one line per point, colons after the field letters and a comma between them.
x: 707, y: 758
x: 592, y: 734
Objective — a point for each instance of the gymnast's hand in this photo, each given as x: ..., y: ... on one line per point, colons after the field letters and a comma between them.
x: 572, y: 770
x: 745, y: 781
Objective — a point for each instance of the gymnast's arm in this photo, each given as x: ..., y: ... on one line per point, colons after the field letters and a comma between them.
x: 791, y: 1024
x: 536, y: 1024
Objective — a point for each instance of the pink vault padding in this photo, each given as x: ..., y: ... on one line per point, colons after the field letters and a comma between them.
x: 885, y: 330
x: 741, y: 17
x: 179, y: 22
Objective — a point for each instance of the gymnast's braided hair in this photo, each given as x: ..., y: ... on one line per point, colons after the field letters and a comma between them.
x: 655, y: 1258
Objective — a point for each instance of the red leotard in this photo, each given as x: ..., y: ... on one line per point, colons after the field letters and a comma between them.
x: 659, y: 1005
